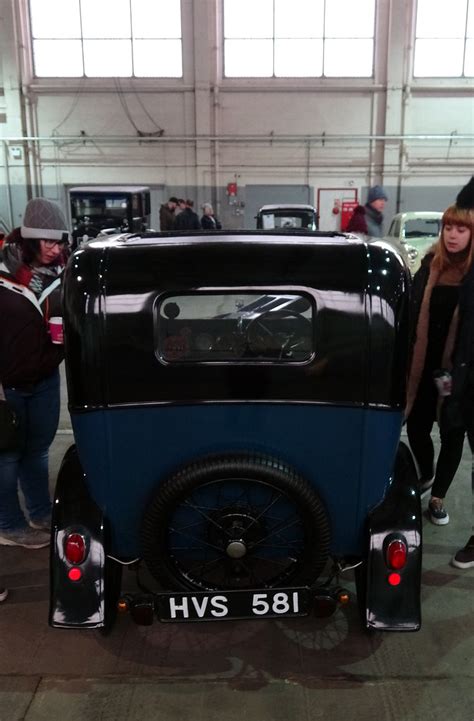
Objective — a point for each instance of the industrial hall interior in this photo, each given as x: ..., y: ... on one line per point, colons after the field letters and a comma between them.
x: 236, y: 360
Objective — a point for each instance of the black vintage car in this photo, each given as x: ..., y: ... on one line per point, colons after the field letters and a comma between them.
x: 236, y: 403
x: 288, y: 216
x: 108, y: 208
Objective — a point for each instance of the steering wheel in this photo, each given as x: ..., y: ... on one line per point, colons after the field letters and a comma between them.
x: 271, y: 335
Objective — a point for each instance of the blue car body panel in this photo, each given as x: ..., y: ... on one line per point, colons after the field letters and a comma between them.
x: 138, y: 448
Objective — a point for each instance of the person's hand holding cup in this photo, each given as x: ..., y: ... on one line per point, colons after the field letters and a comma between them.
x: 56, y: 330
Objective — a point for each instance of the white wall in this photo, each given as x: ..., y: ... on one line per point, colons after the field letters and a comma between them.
x: 274, y: 132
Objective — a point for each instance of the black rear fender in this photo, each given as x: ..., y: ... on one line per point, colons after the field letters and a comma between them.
x: 394, y: 607
x: 76, y: 603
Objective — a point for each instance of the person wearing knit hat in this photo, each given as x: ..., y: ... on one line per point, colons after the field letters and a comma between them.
x: 368, y: 218
x: 34, y: 256
x: 43, y: 219
x: 442, y: 291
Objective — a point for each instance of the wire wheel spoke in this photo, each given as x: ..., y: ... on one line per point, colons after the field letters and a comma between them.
x: 277, y: 530
x: 206, y: 516
x: 197, y: 540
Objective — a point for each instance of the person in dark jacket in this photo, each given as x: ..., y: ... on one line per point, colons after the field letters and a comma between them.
x: 33, y: 258
x: 457, y: 410
x: 209, y: 220
x: 357, y: 222
x: 167, y: 214
x: 188, y: 219
x: 368, y: 218
x: 435, y: 296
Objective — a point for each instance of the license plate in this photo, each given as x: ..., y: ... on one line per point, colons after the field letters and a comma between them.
x: 228, y: 605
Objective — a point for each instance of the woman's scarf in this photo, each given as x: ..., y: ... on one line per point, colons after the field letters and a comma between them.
x: 452, y: 275
x: 35, y: 278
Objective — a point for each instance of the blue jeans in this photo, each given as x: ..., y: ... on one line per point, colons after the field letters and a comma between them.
x: 38, y: 413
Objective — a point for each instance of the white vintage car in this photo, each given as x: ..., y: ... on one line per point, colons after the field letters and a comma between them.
x: 417, y: 230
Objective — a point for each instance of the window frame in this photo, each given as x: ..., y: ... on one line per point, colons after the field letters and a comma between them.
x: 302, y: 79
x: 441, y: 82
x: 103, y: 83
x: 234, y: 359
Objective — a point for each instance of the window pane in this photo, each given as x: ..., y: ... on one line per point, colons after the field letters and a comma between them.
x: 441, y: 19
x: 105, y: 18
x: 299, y: 18
x: 438, y: 58
x: 55, y: 18
x: 157, y: 58
x: 57, y: 58
x: 212, y: 327
x: 298, y: 58
x: 348, y: 58
x: 248, y: 58
x: 350, y: 19
x: 147, y: 18
x: 248, y: 18
x: 108, y: 58
x: 469, y: 62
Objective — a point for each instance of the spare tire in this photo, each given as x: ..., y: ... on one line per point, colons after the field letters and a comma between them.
x: 241, y: 520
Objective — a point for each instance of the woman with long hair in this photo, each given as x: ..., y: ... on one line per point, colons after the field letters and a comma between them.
x: 435, y: 299
x: 33, y: 258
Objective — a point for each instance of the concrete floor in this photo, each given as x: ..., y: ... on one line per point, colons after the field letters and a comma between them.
x: 296, y: 669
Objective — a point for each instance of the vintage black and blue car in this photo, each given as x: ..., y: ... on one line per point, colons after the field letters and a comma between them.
x: 237, y: 402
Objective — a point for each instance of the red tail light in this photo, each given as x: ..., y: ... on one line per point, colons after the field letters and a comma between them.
x: 75, y: 574
x: 396, y: 554
x: 75, y: 548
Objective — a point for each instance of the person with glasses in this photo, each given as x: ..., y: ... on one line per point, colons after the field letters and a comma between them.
x: 33, y: 258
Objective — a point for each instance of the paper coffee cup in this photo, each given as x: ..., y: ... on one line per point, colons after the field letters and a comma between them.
x: 56, y: 330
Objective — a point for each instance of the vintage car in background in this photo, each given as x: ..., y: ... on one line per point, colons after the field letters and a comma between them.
x: 417, y: 231
x: 108, y: 209
x: 287, y: 216
x: 236, y: 402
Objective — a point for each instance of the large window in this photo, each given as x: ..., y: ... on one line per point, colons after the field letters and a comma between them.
x: 299, y: 38
x: 234, y: 328
x: 444, y: 42
x: 106, y: 38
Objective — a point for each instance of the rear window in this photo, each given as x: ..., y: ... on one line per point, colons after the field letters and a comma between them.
x: 234, y: 327
x: 421, y: 227
x: 288, y: 219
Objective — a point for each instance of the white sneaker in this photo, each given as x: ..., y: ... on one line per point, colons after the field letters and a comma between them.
x: 25, y: 537
x: 3, y: 594
x: 437, y: 512
x: 41, y: 524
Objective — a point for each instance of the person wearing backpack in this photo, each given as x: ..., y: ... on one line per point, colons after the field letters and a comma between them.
x: 34, y: 256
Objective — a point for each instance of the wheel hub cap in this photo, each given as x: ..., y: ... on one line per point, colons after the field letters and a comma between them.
x: 236, y: 549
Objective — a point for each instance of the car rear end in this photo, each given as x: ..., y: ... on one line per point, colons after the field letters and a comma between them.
x: 170, y: 378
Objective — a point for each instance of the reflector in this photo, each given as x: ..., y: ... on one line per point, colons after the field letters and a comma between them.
x: 75, y: 548
x: 122, y: 605
x: 143, y: 611
x: 396, y: 554
x: 324, y: 606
